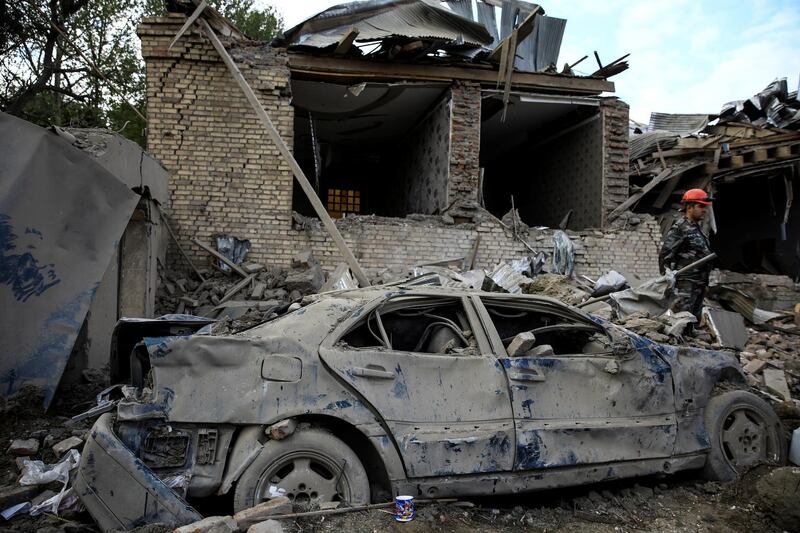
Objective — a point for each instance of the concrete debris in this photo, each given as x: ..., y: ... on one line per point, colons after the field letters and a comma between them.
x: 727, y: 327
x: 262, y: 511
x: 24, y: 447
x: 268, y: 526
x: 66, y: 445
x: 521, y: 344
x: 775, y: 381
x: 13, y: 495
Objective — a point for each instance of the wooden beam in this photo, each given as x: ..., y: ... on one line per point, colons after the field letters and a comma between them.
x: 287, y: 155
x: 513, y: 39
x: 334, y: 69
x: 200, y: 8
x: 664, y: 174
x: 344, y: 45
x: 236, y: 268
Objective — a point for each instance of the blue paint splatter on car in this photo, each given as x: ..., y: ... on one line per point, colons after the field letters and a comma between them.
x: 526, y: 405
x: 400, y: 388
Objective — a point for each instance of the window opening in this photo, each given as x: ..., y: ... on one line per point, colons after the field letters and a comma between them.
x: 374, y: 148
x: 433, y: 328
x: 553, y: 333
x: 547, y: 154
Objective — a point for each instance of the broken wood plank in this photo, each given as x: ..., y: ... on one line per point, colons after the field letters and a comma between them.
x: 178, y: 244
x: 200, y: 8
x: 321, y: 68
x: 344, y: 45
x: 664, y: 174
x: 667, y: 190
x: 236, y: 268
x: 470, y: 262
x: 236, y: 288
x: 519, y: 34
x: 287, y: 155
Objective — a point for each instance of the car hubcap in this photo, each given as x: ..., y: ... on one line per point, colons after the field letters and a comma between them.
x: 306, y: 478
x: 746, y: 438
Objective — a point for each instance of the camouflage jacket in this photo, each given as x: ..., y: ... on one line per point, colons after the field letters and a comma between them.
x: 684, y: 244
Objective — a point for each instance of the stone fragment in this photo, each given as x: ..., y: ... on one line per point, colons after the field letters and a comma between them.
x: 212, y: 524
x: 303, y: 258
x: 13, y: 494
x: 24, y: 447
x: 191, y: 302
x: 327, y: 506
x: 775, y: 380
x: 258, y: 291
x: 276, y: 506
x: 521, y: 343
x: 282, y: 429
x: 253, y: 267
x: 755, y: 366
x: 268, y: 526
x: 66, y: 445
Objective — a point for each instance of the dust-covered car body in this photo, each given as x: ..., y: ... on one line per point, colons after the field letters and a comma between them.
x: 420, y: 383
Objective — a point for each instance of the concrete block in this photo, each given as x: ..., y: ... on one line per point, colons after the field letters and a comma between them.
x: 521, y: 343
x: 24, y: 447
x: 775, y: 380
x: 66, y: 445
x: 262, y: 511
x: 755, y: 366
x: 13, y: 494
x: 212, y: 524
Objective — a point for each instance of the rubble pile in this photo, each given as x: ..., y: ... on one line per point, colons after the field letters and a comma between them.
x: 239, y: 302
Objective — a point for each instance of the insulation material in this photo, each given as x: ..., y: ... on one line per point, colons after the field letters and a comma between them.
x: 61, y: 218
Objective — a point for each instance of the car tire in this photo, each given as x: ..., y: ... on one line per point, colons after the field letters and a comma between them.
x: 310, y: 467
x: 743, y: 431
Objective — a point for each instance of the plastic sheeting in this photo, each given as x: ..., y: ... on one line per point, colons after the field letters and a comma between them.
x: 61, y: 218
x: 563, y: 254
x: 233, y: 248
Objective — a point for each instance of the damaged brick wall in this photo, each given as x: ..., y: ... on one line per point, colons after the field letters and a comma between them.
x: 380, y: 242
x: 614, y: 116
x: 226, y: 174
x: 465, y: 141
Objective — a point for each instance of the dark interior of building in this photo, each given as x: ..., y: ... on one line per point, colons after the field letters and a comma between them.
x: 372, y: 148
x: 758, y: 228
x: 547, y: 154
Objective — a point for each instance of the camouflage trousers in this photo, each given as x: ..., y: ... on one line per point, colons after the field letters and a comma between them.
x: 689, y: 296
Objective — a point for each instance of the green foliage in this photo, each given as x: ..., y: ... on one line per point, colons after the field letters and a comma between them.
x: 258, y: 24
x: 43, y: 78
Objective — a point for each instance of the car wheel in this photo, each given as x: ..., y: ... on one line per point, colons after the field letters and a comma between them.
x: 743, y: 431
x: 309, y: 467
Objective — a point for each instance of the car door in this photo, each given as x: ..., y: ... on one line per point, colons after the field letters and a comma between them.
x: 588, y: 398
x: 424, y: 364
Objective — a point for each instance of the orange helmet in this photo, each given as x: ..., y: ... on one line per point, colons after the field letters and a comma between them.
x: 696, y: 196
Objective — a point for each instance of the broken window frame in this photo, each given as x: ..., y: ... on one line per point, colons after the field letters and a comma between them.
x: 396, y: 302
x: 522, y: 303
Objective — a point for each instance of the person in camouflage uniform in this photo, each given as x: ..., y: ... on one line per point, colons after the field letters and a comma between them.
x: 684, y: 244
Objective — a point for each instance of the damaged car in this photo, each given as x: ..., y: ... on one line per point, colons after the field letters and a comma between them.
x: 427, y: 391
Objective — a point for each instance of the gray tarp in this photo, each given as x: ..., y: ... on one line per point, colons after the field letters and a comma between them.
x: 61, y: 218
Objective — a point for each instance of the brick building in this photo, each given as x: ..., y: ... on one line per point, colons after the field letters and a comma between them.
x: 416, y: 159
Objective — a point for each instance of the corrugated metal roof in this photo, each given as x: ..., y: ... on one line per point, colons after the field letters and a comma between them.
x: 677, y: 123
x: 379, y: 19
x: 646, y: 143
x: 541, y: 48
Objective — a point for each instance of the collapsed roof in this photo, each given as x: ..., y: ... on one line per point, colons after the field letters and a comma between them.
x: 744, y: 157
